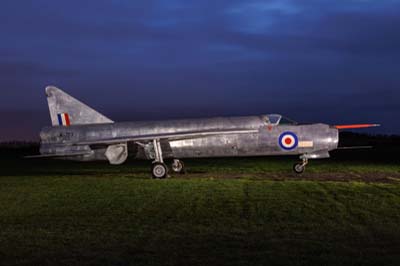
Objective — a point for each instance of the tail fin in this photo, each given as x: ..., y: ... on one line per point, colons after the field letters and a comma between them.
x: 66, y: 110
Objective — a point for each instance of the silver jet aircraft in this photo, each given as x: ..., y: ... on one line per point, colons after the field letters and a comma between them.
x: 80, y: 133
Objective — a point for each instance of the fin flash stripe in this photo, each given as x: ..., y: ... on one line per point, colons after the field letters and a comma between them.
x: 63, y: 119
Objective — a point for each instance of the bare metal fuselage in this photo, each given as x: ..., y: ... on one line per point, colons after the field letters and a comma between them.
x: 314, y: 140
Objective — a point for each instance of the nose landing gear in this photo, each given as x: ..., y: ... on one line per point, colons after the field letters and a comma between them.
x: 299, y: 168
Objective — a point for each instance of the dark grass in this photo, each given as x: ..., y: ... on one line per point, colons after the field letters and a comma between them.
x: 66, y: 213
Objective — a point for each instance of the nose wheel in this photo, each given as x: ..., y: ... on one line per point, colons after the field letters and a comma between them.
x: 300, y: 167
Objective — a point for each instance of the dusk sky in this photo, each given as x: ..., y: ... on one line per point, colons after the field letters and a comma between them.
x: 335, y: 61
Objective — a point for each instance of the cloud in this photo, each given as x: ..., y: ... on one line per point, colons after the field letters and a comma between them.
x: 209, y: 57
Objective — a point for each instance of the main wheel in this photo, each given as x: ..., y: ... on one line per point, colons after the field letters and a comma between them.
x: 299, y: 168
x: 178, y: 166
x: 159, y: 170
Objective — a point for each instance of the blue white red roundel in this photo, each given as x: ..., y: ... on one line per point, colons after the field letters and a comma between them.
x: 288, y: 140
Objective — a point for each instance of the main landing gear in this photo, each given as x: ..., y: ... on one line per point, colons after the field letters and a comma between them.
x: 301, y: 166
x: 178, y: 166
x: 159, y: 169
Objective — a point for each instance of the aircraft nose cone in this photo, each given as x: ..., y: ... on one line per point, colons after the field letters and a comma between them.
x: 327, y: 139
x: 333, y: 139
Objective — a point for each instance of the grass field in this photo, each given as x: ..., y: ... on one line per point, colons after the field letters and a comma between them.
x: 249, y: 211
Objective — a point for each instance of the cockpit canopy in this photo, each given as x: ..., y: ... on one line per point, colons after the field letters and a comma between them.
x: 276, y: 119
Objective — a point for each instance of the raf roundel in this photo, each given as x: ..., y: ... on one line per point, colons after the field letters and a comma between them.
x: 288, y: 140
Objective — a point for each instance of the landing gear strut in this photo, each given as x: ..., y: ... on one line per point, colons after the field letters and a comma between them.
x: 178, y: 166
x: 300, y: 167
x: 158, y: 169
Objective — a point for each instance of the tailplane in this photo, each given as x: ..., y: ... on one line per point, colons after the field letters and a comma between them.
x: 66, y: 110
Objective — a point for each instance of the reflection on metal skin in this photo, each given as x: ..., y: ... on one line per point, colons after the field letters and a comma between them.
x: 89, y: 135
